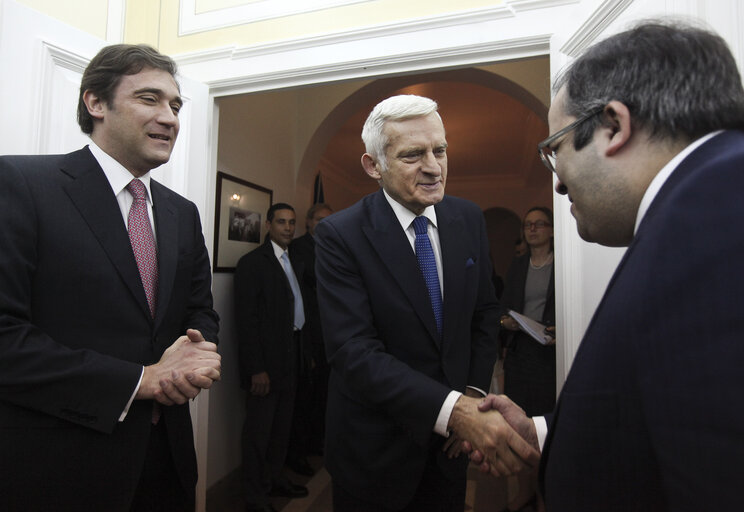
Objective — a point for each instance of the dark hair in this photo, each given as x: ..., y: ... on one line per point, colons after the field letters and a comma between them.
x: 104, y: 72
x: 545, y: 211
x: 274, y: 207
x: 677, y: 81
x: 316, y: 208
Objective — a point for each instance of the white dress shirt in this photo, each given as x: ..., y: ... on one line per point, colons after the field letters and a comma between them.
x: 118, y: 177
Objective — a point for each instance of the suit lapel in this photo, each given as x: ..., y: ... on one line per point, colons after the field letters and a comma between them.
x: 166, y: 233
x: 387, y: 238
x: 91, y: 194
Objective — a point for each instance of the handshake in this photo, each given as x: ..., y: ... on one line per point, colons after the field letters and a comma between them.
x: 497, y: 434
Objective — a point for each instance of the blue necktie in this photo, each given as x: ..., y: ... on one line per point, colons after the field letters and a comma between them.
x: 299, y: 310
x: 428, y: 267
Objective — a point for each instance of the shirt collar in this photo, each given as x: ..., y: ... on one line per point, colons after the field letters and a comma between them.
x: 278, y: 251
x: 118, y: 176
x: 406, y: 216
x: 663, y: 175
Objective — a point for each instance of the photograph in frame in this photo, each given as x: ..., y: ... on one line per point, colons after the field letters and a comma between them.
x: 240, y: 216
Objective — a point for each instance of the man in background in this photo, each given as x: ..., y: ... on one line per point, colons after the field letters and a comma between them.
x: 648, y: 146
x: 308, y: 423
x: 270, y: 315
x: 105, y: 306
x: 410, y: 322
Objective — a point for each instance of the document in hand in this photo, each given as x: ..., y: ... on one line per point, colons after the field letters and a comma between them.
x: 531, y: 327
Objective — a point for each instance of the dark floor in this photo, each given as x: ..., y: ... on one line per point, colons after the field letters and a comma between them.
x: 484, y: 493
x: 226, y: 495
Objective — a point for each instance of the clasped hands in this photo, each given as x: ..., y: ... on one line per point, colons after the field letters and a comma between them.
x: 497, y: 434
x: 189, y: 365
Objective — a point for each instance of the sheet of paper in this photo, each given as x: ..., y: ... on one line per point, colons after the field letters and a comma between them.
x: 531, y: 327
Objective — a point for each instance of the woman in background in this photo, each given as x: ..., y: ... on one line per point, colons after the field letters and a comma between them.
x: 529, y: 366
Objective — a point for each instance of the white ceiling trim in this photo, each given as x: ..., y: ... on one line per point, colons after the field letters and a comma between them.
x: 191, y: 22
x: 595, y: 25
x: 381, y: 65
x: 115, y: 20
x: 364, y: 33
x: 515, y: 29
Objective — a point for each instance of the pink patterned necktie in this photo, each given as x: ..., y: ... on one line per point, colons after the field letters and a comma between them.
x: 143, y: 242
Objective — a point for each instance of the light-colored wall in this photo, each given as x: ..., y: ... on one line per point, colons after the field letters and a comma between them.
x: 307, y: 24
x: 90, y: 16
x: 165, y: 26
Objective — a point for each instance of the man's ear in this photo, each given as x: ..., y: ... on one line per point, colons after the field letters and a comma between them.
x: 370, y: 166
x: 94, y: 104
x: 618, y: 130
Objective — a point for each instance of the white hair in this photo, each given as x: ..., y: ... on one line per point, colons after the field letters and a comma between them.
x: 395, y: 108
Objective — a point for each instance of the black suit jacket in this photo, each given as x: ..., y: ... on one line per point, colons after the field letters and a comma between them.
x: 75, y: 331
x: 264, y: 313
x: 648, y: 418
x: 390, y: 370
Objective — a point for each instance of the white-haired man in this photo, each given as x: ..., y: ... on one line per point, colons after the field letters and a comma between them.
x: 410, y: 320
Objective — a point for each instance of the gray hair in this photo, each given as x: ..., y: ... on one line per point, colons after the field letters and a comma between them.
x: 395, y: 108
x: 678, y: 81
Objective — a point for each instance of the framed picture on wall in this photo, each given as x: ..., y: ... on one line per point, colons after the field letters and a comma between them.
x: 239, y: 220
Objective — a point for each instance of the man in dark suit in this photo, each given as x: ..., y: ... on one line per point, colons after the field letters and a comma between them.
x: 102, y: 338
x: 648, y: 145
x: 270, y: 314
x: 406, y: 340
x: 308, y: 421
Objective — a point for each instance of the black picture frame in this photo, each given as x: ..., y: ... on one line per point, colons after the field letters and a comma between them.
x: 240, y: 212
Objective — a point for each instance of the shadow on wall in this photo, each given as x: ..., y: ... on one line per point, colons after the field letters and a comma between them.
x: 503, y: 227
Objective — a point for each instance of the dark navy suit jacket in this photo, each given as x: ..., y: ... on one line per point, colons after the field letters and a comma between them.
x: 75, y: 331
x: 650, y: 416
x: 390, y: 371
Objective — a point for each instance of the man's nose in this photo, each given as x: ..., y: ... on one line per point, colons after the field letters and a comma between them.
x: 167, y: 116
x: 430, y: 164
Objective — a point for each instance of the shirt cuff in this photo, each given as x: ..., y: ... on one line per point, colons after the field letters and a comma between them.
x: 440, y: 427
x: 131, y: 398
x: 479, y: 390
x: 541, y: 428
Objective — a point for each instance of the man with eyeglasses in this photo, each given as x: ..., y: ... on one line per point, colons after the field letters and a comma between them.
x: 649, y: 148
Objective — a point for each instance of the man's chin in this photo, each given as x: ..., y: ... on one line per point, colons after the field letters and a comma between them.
x: 433, y: 198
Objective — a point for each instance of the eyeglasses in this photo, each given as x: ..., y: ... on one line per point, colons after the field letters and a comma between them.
x: 538, y: 224
x: 547, y: 155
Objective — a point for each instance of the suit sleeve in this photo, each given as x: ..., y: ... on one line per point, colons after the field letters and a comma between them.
x: 370, y: 373
x: 78, y: 385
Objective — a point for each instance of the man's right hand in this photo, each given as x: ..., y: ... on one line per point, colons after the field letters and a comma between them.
x: 186, y: 367
x: 515, y: 417
x: 260, y: 384
x: 488, y: 432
